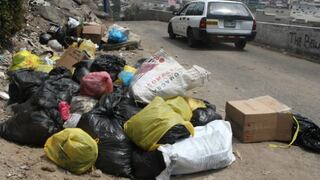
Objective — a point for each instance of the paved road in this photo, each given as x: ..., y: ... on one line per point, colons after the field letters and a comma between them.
x: 241, y: 75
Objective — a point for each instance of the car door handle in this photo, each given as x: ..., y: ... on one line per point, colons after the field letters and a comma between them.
x: 188, y: 19
x: 180, y: 18
x: 183, y: 18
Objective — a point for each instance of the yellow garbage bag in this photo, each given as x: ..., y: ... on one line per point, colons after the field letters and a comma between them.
x: 24, y: 60
x: 180, y: 106
x: 47, y: 64
x: 72, y: 149
x: 89, y: 47
x: 195, y: 103
x: 148, y: 126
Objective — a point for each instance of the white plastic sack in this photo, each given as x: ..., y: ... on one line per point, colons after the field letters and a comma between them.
x: 210, y: 148
x: 163, y: 76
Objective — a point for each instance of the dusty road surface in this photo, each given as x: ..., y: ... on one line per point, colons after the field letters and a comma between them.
x: 245, y: 74
x: 235, y: 75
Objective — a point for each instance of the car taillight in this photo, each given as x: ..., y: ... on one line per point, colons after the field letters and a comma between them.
x: 254, y: 26
x: 203, y: 23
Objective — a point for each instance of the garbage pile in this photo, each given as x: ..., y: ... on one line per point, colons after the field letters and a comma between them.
x: 128, y: 121
x: 88, y: 36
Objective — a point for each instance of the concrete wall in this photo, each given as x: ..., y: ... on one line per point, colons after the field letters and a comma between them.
x: 293, y: 38
x: 298, y: 39
x: 145, y: 14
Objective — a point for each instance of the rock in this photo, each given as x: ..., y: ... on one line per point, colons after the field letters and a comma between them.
x: 97, y: 173
x: 48, y: 168
x: 90, y: 3
x: 101, y: 14
x: 52, y: 14
x: 55, y: 45
x: 25, y: 167
x: 89, y: 15
x: 63, y: 4
x: 79, y: 2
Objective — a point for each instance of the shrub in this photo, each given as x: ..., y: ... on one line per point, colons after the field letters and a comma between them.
x: 11, y: 18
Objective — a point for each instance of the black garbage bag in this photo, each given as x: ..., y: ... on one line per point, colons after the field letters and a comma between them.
x: 121, y: 104
x: 44, y: 38
x: 55, y: 89
x: 23, y: 84
x: 147, y: 165
x: 109, y: 63
x: 82, y: 68
x: 202, y: 116
x: 32, y: 126
x: 175, y: 134
x: 115, y: 148
x: 309, y: 134
x: 65, y: 72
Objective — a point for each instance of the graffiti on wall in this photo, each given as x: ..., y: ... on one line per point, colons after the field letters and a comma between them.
x: 304, y: 41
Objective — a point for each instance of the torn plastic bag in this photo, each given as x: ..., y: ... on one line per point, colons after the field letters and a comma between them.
x: 82, y: 104
x: 55, y: 89
x: 210, y: 148
x: 96, y: 84
x: 147, y: 127
x: 82, y: 68
x: 147, y: 165
x: 202, y: 116
x: 115, y: 148
x: 72, y: 149
x: 23, y: 84
x: 33, y: 126
x: 109, y: 63
x: 163, y: 76
x: 309, y: 134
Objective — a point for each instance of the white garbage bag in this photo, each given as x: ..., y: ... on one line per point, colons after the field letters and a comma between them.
x: 210, y: 148
x: 163, y: 76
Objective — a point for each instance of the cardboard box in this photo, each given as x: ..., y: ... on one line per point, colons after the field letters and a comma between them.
x: 260, y: 119
x: 93, y: 32
x: 70, y: 57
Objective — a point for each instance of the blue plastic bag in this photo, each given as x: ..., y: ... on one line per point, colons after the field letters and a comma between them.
x: 117, y: 36
x: 127, y: 74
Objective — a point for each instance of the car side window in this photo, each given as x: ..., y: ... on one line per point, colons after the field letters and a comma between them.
x: 184, y: 10
x: 198, y: 11
x: 191, y: 9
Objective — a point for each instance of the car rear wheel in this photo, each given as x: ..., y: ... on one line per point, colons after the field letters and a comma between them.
x: 240, y: 44
x: 170, y: 31
x: 191, y: 41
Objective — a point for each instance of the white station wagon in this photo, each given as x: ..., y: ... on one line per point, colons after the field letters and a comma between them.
x: 214, y: 21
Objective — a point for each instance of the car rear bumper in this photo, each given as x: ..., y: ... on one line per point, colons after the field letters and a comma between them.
x: 203, y: 35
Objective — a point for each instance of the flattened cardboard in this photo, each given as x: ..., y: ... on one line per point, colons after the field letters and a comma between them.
x: 70, y: 57
x: 93, y: 32
x: 260, y: 119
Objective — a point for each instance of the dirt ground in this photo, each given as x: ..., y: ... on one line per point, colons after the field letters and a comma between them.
x: 255, y: 161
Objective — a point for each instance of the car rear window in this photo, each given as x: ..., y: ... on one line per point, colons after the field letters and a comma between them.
x: 222, y: 9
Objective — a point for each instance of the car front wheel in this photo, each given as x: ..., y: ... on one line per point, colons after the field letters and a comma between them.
x: 240, y: 44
